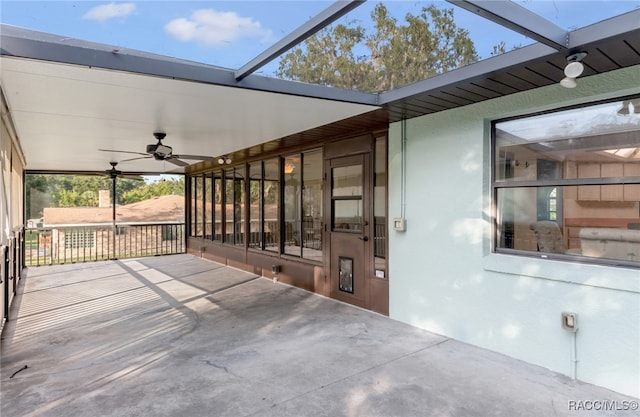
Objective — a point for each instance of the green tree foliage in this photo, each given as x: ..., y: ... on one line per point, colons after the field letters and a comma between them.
x: 49, y: 190
x: 501, y: 48
x: 71, y: 198
x: 154, y: 189
x: 394, y: 55
x: 54, y: 190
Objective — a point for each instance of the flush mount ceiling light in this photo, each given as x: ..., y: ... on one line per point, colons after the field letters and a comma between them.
x: 224, y: 160
x: 573, y: 69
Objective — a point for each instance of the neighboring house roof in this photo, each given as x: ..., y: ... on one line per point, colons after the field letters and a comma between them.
x: 168, y: 208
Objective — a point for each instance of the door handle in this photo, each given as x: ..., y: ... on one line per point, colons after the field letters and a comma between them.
x: 364, y: 238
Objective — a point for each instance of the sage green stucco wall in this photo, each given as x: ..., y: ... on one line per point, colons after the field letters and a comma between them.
x: 444, y: 278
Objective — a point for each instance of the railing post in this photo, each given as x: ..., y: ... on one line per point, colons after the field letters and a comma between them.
x: 13, y: 267
x: 5, y: 273
x: 113, y: 237
x: 23, y: 248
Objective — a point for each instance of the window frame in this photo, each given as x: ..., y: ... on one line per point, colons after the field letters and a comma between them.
x: 300, y: 239
x: 502, y: 184
x: 259, y: 234
x: 226, y: 177
x: 218, y: 214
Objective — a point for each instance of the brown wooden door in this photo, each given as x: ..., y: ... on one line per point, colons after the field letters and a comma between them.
x: 349, y: 228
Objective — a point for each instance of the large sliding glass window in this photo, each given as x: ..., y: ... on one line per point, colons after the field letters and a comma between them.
x: 217, y: 206
x: 208, y: 207
x: 255, y: 205
x: 284, y: 198
x: 228, y: 205
x: 292, y: 206
x: 199, y: 207
x: 264, y: 203
x: 234, y: 208
x: 567, y: 184
x: 193, y: 221
x: 271, y: 200
x: 238, y: 205
x: 303, y: 181
x: 312, y: 205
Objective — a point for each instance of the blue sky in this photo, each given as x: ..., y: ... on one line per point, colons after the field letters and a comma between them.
x: 230, y: 33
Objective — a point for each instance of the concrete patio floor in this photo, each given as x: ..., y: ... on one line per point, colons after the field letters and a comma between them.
x: 181, y: 336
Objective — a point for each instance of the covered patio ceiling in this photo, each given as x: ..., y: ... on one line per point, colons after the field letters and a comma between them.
x: 64, y: 114
x: 67, y: 98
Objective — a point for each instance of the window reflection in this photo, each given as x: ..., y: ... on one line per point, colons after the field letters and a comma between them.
x: 346, y: 195
x: 271, y: 198
x: 208, y: 207
x: 228, y: 205
x: 217, y: 215
x: 568, y: 182
x: 285, y: 205
x: 292, y: 206
x: 255, y: 205
x: 238, y: 206
x: 312, y: 206
x: 199, y: 206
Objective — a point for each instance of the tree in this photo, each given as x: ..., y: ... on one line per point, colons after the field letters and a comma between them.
x: 394, y: 55
x: 501, y: 48
x: 62, y: 190
x: 50, y: 190
x: 155, y: 189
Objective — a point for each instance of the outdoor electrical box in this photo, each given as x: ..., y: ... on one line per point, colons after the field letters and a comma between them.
x: 570, y: 321
x: 399, y: 224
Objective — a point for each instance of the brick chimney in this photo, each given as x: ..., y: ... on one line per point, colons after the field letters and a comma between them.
x: 104, y: 199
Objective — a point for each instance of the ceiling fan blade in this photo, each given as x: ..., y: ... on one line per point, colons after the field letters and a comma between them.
x: 132, y: 177
x: 113, y: 150
x: 201, y: 157
x: 176, y: 161
x: 135, y: 159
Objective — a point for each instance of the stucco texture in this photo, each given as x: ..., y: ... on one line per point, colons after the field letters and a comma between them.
x: 444, y: 278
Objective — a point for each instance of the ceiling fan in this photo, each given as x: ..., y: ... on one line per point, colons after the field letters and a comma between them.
x: 161, y: 152
x: 114, y: 173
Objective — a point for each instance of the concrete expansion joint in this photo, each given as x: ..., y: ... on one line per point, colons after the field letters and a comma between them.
x: 430, y: 346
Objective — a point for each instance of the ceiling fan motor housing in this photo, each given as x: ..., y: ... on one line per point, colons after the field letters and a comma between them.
x: 158, y: 150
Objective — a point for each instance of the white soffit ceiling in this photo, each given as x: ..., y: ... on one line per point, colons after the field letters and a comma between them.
x: 64, y: 113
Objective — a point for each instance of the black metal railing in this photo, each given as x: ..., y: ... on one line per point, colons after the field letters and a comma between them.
x: 69, y: 244
x: 11, y: 269
x: 4, y: 283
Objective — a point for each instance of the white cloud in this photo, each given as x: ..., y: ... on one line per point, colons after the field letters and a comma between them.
x: 213, y: 27
x: 109, y: 11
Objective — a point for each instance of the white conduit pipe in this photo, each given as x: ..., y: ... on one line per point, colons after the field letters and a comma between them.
x: 403, y: 168
x: 574, y: 355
